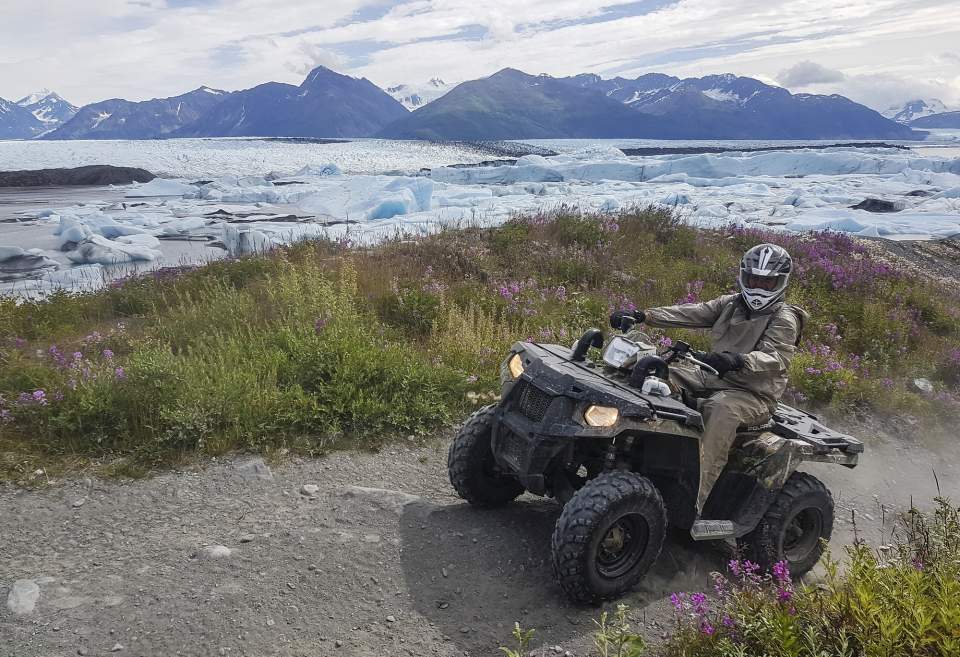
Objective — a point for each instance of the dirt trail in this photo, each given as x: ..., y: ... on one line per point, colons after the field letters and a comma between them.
x: 398, y: 567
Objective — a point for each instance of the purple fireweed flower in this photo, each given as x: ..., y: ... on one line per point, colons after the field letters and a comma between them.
x: 77, y: 356
x: 678, y: 600
x: 727, y: 621
x: 119, y: 374
x: 781, y: 572
x: 697, y: 599
x: 784, y: 595
x: 665, y: 342
x: 917, y: 563
x: 707, y: 629
x: 734, y: 567
x: 750, y: 567
x: 107, y: 354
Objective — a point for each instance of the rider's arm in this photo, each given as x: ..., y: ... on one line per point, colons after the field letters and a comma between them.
x: 776, y: 347
x: 686, y: 315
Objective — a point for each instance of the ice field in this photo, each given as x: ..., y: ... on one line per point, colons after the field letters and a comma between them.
x: 233, y: 197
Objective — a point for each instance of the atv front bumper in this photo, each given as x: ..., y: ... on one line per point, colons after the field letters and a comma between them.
x: 523, y: 452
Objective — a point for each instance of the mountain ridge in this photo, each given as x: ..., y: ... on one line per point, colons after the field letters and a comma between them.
x: 512, y: 104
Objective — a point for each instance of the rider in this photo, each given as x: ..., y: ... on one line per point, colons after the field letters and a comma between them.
x: 754, y: 337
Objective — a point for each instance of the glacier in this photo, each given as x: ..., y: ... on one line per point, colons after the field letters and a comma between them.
x: 214, y: 209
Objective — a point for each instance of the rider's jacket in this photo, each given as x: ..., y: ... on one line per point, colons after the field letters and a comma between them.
x: 768, y: 339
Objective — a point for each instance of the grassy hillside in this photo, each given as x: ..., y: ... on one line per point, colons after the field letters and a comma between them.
x: 317, y: 346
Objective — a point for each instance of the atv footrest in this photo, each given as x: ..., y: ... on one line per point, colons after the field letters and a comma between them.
x: 710, y: 530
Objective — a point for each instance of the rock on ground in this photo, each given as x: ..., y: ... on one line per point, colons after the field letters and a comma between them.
x: 23, y: 597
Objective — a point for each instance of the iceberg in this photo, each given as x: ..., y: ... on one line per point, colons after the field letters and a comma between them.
x: 97, y: 249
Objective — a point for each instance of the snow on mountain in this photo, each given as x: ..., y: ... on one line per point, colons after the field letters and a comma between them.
x: 413, y: 96
x: 915, y: 109
x: 17, y: 122
x: 49, y: 108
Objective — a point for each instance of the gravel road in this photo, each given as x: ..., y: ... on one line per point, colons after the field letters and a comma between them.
x: 352, y: 554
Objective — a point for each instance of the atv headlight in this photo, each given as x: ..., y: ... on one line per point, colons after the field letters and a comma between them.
x: 516, y: 366
x: 601, y: 416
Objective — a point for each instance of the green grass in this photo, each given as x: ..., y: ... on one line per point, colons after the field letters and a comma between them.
x: 315, y: 347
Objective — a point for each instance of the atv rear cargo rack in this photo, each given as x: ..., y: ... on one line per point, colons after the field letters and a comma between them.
x: 790, y: 422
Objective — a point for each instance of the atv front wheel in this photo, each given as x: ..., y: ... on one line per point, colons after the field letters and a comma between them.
x: 794, y: 527
x: 472, y: 468
x: 608, y: 536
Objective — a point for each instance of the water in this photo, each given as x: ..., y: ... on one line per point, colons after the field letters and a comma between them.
x: 384, y: 190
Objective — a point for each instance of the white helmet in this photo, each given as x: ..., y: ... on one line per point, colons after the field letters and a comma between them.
x: 764, y: 274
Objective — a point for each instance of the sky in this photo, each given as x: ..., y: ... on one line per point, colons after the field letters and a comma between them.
x: 878, y: 52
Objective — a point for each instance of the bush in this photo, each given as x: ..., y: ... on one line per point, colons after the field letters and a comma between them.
x: 900, y: 600
x: 316, y: 346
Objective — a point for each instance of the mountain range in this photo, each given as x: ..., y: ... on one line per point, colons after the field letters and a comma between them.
x: 510, y: 104
x: 514, y: 105
x: 327, y: 104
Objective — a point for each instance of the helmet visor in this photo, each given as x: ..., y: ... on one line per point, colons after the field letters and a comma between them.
x: 756, y: 282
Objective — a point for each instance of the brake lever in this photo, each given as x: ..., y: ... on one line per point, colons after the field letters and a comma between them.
x: 704, y: 366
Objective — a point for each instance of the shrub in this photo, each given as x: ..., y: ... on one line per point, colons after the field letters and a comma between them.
x: 902, y: 599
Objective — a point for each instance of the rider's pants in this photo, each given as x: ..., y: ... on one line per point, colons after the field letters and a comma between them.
x: 724, y: 409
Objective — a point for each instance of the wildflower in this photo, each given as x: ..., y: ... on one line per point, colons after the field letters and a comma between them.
x: 678, y: 601
x: 813, y: 371
x: 20, y: 343
x: 665, y: 342
x: 707, y: 629
x: 734, y: 567
x: 473, y: 378
x: 781, y: 572
x: 77, y: 356
x: 917, y: 563
x: 5, y: 416
x: 561, y: 295
x: 784, y: 595
x: 107, y: 354
x: 58, y: 396
x: 319, y: 323
x: 119, y: 374
x: 727, y: 621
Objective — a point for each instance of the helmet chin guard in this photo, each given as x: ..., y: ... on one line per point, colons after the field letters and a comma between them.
x: 764, y: 274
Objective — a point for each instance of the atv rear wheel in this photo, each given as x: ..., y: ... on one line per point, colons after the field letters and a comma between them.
x: 794, y: 527
x: 608, y: 536
x: 472, y: 468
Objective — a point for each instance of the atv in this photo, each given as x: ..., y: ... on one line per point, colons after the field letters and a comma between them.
x: 610, y: 441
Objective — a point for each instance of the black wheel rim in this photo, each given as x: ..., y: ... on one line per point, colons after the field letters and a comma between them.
x: 801, y: 535
x: 622, y: 546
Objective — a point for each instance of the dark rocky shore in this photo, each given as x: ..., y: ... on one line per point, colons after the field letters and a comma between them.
x: 95, y: 174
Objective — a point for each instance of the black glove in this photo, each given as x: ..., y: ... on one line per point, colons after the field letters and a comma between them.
x: 631, y: 316
x: 722, y: 361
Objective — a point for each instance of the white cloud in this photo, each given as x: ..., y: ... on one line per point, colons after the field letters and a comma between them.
x: 806, y: 73
x: 108, y: 48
